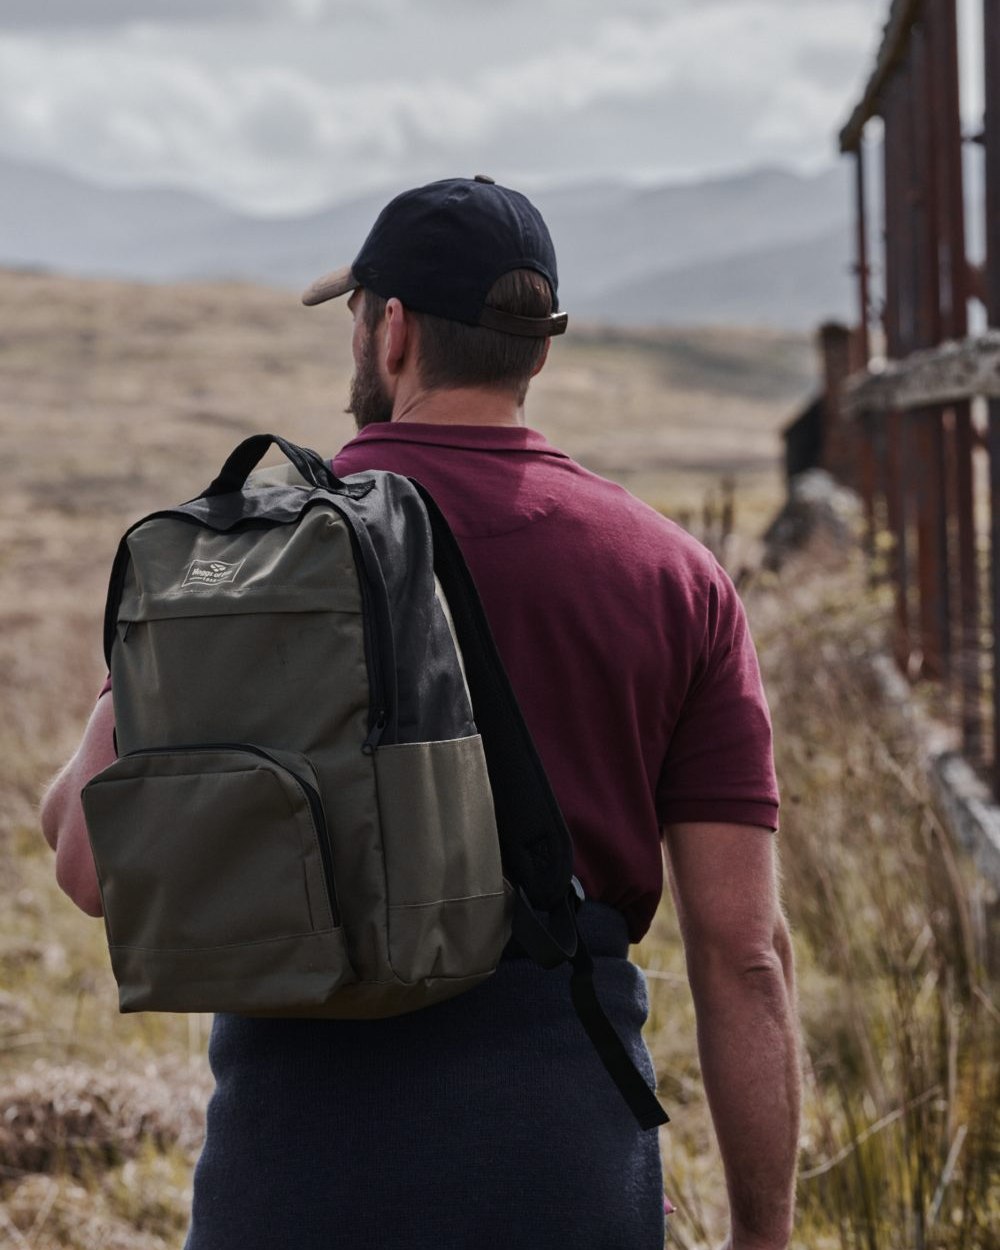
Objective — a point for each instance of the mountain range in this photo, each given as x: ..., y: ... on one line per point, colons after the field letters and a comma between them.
x: 766, y: 247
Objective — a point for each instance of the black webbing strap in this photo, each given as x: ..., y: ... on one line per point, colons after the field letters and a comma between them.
x: 535, y: 843
x: 559, y: 942
x: 550, y: 942
x: 243, y: 459
x: 642, y: 1101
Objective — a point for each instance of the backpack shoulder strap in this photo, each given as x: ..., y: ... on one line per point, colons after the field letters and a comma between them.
x: 535, y: 842
x: 536, y: 845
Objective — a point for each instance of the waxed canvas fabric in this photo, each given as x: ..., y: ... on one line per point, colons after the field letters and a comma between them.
x: 258, y: 851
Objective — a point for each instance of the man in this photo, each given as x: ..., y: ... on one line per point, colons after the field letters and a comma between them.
x: 487, y: 1120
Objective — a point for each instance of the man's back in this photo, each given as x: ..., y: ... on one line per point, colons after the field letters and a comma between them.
x: 625, y: 643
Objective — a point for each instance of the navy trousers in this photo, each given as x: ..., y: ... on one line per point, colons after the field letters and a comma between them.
x: 486, y: 1121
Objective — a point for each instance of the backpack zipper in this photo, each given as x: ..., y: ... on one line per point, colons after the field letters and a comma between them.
x: 310, y: 792
x: 377, y: 715
x: 377, y: 626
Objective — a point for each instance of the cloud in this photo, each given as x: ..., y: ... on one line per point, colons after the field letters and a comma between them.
x: 72, y: 15
x: 713, y: 79
x: 282, y: 120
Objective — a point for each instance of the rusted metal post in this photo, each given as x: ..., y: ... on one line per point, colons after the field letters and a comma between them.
x: 862, y: 257
x: 865, y: 432
x: 868, y: 478
x: 922, y: 198
x: 946, y: 137
x: 928, y: 449
x: 895, y: 494
x: 835, y: 350
x: 907, y: 337
x: 991, y: 47
x: 928, y: 438
x: 942, y: 24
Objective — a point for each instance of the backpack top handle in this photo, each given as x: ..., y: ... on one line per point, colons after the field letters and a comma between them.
x: 244, y: 459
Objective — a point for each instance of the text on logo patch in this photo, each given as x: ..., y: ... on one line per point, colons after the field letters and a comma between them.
x: 211, y: 573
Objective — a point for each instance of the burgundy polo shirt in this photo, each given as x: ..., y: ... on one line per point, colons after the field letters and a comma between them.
x: 625, y: 642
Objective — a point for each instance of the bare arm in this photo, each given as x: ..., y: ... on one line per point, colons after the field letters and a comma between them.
x: 724, y: 882
x: 62, y: 812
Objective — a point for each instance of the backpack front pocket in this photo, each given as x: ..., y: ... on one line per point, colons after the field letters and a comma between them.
x: 217, y: 880
x: 448, y: 912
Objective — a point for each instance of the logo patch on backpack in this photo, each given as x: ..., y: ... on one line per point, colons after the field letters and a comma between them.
x: 211, y: 573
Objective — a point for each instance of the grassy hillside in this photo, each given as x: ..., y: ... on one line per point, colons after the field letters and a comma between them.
x: 115, y: 399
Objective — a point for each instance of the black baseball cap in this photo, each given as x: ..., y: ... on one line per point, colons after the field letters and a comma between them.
x: 440, y: 248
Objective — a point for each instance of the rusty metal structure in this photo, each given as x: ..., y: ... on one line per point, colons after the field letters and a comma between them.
x: 916, y: 424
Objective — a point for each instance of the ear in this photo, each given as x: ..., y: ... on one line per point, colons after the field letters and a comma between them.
x: 542, y: 358
x: 399, y: 333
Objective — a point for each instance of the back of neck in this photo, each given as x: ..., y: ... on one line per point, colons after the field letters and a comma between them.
x: 470, y: 405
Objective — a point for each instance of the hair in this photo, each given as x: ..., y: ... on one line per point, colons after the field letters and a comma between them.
x: 454, y: 354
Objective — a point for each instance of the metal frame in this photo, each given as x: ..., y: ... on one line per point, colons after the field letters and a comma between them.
x: 912, y: 414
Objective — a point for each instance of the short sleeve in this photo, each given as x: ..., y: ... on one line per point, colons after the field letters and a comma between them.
x: 720, y: 763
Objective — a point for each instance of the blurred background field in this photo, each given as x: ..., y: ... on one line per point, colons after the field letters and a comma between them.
x: 117, y: 398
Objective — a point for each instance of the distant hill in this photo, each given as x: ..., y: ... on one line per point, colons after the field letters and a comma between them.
x: 767, y: 247
x: 793, y: 285
x: 55, y: 221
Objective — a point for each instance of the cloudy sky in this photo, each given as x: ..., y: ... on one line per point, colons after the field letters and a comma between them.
x: 284, y: 105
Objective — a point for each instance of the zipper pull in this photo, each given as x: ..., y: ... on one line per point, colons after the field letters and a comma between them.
x: 374, y: 735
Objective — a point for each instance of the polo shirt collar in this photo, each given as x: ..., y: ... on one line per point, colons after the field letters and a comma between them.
x: 509, y: 438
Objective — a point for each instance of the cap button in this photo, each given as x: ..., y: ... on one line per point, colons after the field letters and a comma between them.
x: 485, y: 178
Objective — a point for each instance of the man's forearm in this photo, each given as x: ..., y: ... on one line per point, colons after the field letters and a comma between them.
x: 749, y: 1057
x: 61, y: 814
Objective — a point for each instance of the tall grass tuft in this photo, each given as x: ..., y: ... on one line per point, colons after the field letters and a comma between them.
x: 900, y: 1145
x: 901, y: 1141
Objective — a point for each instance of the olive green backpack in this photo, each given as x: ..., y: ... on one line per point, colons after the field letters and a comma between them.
x: 326, y: 801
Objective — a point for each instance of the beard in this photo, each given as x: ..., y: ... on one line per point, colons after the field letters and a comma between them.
x: 368, y: 401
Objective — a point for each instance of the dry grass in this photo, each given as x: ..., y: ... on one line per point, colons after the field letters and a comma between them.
x: 140, y: 1206
x: 896, y: 938
x: 895, y: 942
x: 80, y: 1118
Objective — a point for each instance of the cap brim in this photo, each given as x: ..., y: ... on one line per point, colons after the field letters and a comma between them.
x: 330, y: 286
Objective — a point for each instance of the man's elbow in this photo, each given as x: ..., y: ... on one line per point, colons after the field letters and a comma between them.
x: 65, y: 829
x: 763, y: 975
x: 78, y: 881
x: 51, y: 809
x: 781, y: 942
x: 759, y: 964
